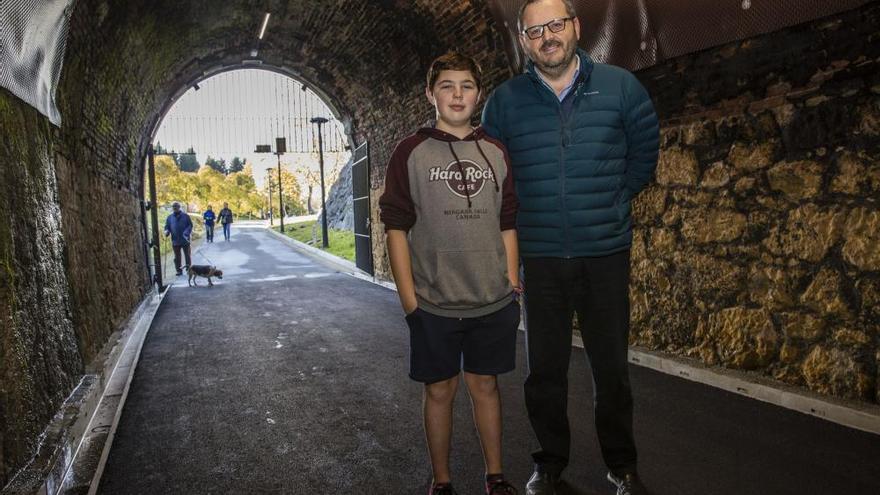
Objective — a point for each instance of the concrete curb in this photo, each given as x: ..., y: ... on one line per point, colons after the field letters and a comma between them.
x: 339, y: 264
x: 78, y: 438
x: 103, y: 426
x: 853, y: 415
x: 850, y: 414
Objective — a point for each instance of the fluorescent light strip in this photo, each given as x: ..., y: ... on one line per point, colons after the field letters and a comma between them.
x: 263, y: 29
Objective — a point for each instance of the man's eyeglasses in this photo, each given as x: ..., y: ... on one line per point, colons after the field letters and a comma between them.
x: 555, y: 26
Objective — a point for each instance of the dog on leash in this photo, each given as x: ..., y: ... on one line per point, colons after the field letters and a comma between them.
x: 202, y: 271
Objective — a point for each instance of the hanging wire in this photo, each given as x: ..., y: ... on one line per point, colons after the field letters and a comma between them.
x: 234, y: 111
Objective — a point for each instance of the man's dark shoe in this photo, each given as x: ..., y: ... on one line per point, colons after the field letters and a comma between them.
x: 628, y: 484
x: 442, y: 489
x: 542, y: 483
x: 497, y: 485
x: 179, y: 273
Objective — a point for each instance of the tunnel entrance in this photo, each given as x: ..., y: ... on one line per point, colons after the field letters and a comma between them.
x: 260, y: 140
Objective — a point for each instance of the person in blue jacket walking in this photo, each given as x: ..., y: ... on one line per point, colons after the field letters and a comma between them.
x: 583, y: 139
x: 179, y: 226
x: 209, y: 217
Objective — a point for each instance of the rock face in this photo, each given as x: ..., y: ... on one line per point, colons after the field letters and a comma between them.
x: 740, y: 338
x: 340, y: 212
x: 758, y: 246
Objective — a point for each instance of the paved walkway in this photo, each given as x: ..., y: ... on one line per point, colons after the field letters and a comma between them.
x: 288, y: 377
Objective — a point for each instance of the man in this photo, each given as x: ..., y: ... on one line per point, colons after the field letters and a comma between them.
x: 209, y: 217
x: 179, y: 226
x: 583, y: 141
x: 226, y: 220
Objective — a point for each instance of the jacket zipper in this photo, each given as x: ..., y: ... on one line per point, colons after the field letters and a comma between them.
x: 563, y: 127
x: 563, y: 205
x: 564, y: 124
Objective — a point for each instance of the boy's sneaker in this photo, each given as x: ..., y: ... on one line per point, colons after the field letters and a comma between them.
x: 497, y: 485
x: 442, y: 489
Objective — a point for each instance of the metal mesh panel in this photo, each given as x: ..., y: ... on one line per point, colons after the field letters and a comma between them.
x: 33, y: 35
x: 639, y: 33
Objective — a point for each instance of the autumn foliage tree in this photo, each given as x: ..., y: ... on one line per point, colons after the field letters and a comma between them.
x: 208, y: 186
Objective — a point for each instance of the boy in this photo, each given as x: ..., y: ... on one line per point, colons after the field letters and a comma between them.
x: 449, y: 211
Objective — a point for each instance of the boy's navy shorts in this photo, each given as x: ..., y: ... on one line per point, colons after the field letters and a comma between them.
x: 440, y: 347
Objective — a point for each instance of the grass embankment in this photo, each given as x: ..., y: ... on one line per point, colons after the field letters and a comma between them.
x: 341, y: 241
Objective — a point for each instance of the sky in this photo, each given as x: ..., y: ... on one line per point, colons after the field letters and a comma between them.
x: 234, y: 111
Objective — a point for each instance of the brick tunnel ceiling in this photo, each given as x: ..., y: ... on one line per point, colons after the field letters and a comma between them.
x: 352, y: 51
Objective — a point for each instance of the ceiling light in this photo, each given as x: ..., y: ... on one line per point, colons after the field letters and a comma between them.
x: 263, y: 29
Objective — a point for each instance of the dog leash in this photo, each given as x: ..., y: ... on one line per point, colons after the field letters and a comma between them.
x: 199, y: 251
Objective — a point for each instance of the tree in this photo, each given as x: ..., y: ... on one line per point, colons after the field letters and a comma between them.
x: 291, y: 192
x: 210, y: 187
x: 187, y: 161
x: 167, y: 175
x: 236, y: 165
x: 311, y: 176
x: 218, y: 165
x: 312, y: 179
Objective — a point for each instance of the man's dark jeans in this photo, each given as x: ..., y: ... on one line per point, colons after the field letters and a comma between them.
x: 209, y: 232
x: 227, y: 231
x: 598, y: 290
x: 186, y: 254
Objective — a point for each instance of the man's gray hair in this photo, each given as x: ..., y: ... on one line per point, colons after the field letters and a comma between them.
x: 569, y: 9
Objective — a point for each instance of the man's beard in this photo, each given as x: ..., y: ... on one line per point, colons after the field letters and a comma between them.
x: 554, y: 68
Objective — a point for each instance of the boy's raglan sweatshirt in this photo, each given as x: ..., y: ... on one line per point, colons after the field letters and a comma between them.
x: 453, y: 197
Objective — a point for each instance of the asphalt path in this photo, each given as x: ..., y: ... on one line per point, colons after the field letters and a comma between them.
x: 290, y: 377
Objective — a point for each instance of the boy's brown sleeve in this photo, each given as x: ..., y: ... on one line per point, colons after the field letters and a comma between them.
x: 509, y: 202
x: 396, y: 209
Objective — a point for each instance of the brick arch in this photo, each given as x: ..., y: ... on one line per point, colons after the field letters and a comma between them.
x: 154, y: 121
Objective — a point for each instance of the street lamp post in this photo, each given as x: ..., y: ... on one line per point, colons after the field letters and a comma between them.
x: 269, y: 184
x: 280, y: 149
x: 321, y: 121
x: 280, y: 195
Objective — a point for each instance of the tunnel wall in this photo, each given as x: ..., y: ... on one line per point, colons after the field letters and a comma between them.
x: 40, y: 362
x: 71, y: 241
x: 758, y: 247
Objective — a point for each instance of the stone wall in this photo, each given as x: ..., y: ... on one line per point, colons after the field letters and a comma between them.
x: 758, y: 248
x: 71, y: 237
x: 39, y: 358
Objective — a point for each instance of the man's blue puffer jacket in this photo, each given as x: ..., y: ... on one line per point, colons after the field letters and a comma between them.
x: 575, y: 175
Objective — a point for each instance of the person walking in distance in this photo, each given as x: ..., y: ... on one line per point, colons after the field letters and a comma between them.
x: 209, y: 216
x: 178, y: 226
x: 226, y: 221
